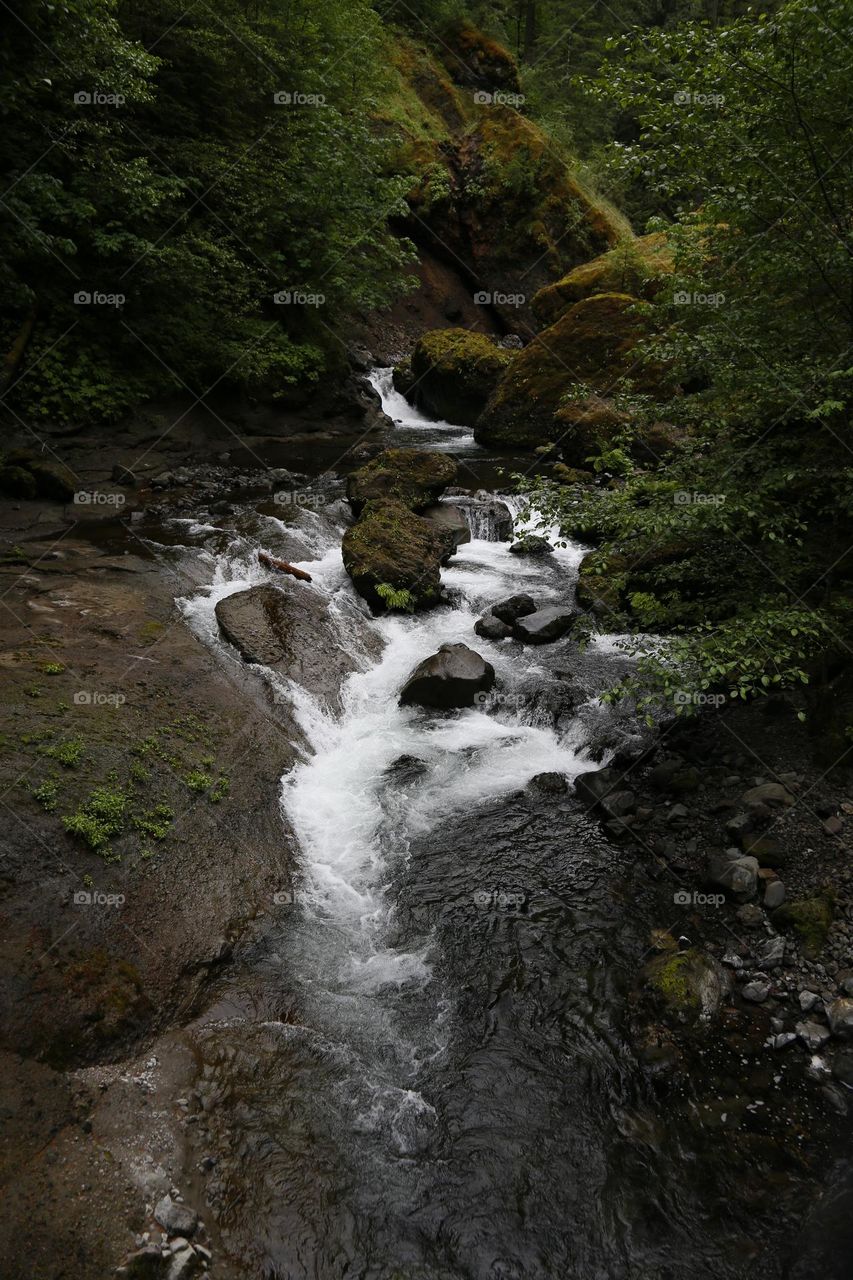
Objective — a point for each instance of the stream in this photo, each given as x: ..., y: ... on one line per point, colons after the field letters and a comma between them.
x: 421, y: 1067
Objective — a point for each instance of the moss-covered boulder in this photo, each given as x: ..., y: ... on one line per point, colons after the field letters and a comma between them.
x: 394, y: 557
x: 414, y: 477
x: 601, y: 584
x: 689, y: 985
x: 809, y: 919
x: 454, y: 371
x: 474, y: 59
x: 592, y: 345
x: 26, y: 474
x: 637, y: 265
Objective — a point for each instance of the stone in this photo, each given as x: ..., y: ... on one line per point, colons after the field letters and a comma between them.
x: 783, y: 1039
x: 842, y: 1068
x: 770, y: 793
x: 184, y: 1263
x: 808, y: 1000
x: 391, y: 552
x: 592, y: 787
x: 454, y: 371
x: 452, y: 677
x: 750, y: 916
x: 415, y: 478
x: 176, y: 1219
x: 739, y: 876
x: 840, y: 1015
x: 813, y: 1035
x: 491, y: 628
x: 756, y: 991
x: 772, y: 954
x: 689, y: 984
x: 123, y: 475
x: 531, y: 544
x: 513, y: 608
x: 809, y: 919
x: 545, y: 625
x: 552, y: 784
x: 732, y: 961
x: 146, y: 1263
x: 450, y: 522
x: 677, y: 813
x: 774, y: 895
x: 833, y: 826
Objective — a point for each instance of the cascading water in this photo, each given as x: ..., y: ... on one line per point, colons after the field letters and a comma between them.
x: 419, y: 1069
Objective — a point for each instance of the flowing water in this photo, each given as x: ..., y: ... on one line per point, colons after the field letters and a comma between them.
x: 421, y: 1067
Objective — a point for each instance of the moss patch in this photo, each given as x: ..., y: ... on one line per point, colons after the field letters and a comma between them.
x: 454, y: 371
x: 636, y: 265
x: 392, y: 547
x: 810, y: 919
x: 413, y: 477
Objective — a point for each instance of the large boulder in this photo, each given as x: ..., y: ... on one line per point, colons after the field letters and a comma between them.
x: 514, y: 607
x: 544, y: 626
x: 453, y: 677
x: 637, y: 265
x: 394, y: 557
x: 449, y: 521
x: 454, y: 371
x: 414, y: 477
x: 537, y: 399
x: 27, y: 474
x: 287, y: 628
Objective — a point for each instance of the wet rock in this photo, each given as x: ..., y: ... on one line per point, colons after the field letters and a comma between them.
x: 513, y: 608
x: 552, y: 784
x: 784, y: 1039
x: 757, y: 990
x: 809, y: 919
x: 391, y: 554
x: 450, y: 523
x: 774, y: 895
x: 770, y: 793
x: 840, y: 1015
x: 450, y: 678
x: 772, y: 954
x: 454, y: 371
x: 416, y: 478
x: 739, y: 876
x: 808, y: 1000
x: 750, y: 916
x: 813, y: 1035
x: 123, y: 475
x: 176, y: 1219
x: 842, y: 1068
x: 491, y: 628
x: 835, y: 1098
x: 531, y: 545
x: 592, y: 787
x: 147, y: 1263
x: 545, y: 625
x: 689, y: 984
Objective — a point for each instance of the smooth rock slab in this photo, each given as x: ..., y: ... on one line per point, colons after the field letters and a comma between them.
x: 450, y: 678
x: 544, y: 626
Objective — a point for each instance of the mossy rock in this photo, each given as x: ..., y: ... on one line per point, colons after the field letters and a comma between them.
x: 391, y: 549
x: 810, y: 919
x: 17, y: 482
x: 454, y: 371
x: 637, y: 265
x: 571, y: 475
x: 475, y: 59
x: 601, y: 583
x: 54, y: 480
x: 414, y: 477
x: 593, y: 343
x: 689, y: 984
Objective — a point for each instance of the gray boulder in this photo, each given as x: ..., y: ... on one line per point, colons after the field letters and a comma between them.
x: 737, y: 875
x: 176, y: 1219
x: 513, y: 608
x: 545, y: 625
x: 450, y: 678
x: 491, y: 628
x: 450, y: 522
x: 840, y: 1015
x: 530, y: 544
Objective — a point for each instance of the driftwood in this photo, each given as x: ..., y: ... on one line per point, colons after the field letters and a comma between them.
x: 270, y: 562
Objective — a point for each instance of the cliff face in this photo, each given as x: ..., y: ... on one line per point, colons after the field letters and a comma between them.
x: 491, y: 197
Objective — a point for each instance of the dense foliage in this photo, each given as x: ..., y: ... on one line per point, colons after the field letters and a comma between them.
x: 181, y: 167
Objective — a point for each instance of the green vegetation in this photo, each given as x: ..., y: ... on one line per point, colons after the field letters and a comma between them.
x: 395, y: 598
x: 99, y: 818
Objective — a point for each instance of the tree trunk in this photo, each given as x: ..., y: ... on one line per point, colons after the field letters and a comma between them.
x: 19, y: 346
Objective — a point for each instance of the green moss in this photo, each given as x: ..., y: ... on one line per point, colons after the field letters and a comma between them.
x: 68, y: 753
x: 100, y: 819
x: 810, y: 919
x: 390, y: 546
x: 670, y: 977
x: 635, y: 265
x: 413, y: 477
x: 455, y: 371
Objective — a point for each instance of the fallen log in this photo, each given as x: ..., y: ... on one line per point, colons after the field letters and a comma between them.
x: 270, y: 562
